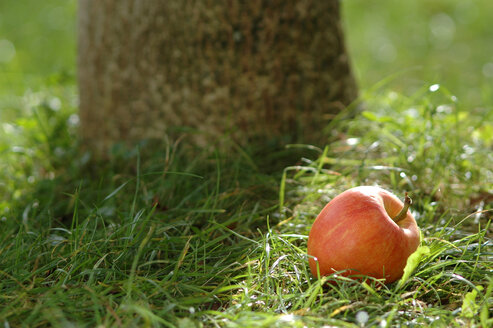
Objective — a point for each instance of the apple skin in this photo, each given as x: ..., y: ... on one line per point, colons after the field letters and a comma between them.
x: 355, y: 232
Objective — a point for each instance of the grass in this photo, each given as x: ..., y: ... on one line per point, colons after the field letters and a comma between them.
x: 179, y: 237
x: 163, y: 240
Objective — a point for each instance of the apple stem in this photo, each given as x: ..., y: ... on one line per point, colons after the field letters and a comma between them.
x: 403, y: 213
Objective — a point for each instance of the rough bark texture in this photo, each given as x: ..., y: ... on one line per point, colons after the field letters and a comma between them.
x: 248, y: 69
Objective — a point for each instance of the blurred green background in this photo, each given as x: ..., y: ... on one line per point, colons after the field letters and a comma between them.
x: 406, y: 44
x: 37, y: 50
x: 449, y: 42
x: 37, y: 40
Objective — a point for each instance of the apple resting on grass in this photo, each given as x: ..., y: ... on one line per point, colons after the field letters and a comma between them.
x: 364, y: 231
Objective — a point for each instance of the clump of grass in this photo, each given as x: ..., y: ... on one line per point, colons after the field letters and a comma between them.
x: 37, y: 143
x: 428, y: 145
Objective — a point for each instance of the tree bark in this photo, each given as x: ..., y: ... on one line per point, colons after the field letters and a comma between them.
x: 250, y: 70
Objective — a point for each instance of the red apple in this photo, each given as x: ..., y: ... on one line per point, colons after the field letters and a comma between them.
x: 364, y: 231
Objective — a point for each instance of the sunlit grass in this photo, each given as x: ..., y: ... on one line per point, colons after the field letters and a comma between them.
x: 163, y: 238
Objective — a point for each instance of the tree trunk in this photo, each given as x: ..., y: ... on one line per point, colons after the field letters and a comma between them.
x: 250, y: 70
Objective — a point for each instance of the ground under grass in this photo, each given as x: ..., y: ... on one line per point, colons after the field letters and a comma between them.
x: 164, y: 238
